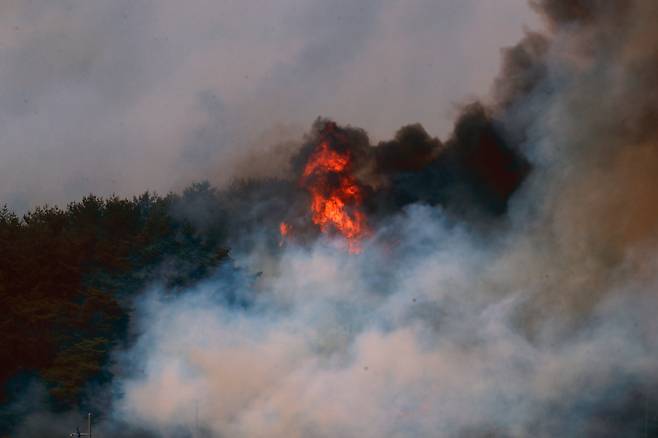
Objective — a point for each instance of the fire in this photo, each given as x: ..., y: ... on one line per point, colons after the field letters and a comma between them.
x: 326, y: 160
x: 284, y: 229
x: 336, y: 196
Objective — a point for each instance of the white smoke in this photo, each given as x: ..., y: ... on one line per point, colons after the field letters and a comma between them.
x: 423, y: 339
x: 542, y: 328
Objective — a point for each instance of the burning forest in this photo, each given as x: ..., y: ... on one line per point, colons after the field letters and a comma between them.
x: 497, y: 280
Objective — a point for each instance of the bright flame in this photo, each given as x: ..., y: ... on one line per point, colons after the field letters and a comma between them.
x: 284, y: 229
x: 335, y: 195
x: 326, y: 160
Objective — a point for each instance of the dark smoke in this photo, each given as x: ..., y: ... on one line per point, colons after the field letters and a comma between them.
x: 471, y: 175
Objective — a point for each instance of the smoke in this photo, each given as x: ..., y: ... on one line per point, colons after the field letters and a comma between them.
x: 543, y: 326
x: 392, y: 342
x: 122, y: 96
x: 508, y: 286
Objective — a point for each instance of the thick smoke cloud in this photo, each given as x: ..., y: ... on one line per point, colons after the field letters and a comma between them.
x: 123, y: 96
x: 543, y: 327
x: 511, y: 298
x: 389, y: 343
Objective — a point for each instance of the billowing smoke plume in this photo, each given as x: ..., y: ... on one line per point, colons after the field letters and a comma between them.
x: 506, y: 285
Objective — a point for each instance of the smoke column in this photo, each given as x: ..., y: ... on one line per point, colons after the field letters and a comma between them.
x: 511, y: 302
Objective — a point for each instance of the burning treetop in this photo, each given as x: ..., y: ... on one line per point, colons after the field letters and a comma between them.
x: 336, y: 195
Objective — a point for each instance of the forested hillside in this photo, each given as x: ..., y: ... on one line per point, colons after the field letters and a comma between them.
x: 68, y: 276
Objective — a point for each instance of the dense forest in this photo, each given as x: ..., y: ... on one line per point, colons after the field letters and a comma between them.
x: 68, y: 278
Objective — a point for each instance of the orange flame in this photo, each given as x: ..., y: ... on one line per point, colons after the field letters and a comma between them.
x: 284, y: 229
x: 325, y: 160
x: 336, y: 196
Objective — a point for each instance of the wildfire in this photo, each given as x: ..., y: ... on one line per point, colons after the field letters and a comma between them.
x: 336, y: 196
x: 284, y: 230
x: 325, y: 160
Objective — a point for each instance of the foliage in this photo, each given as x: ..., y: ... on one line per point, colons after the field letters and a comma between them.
x: 68, y: 276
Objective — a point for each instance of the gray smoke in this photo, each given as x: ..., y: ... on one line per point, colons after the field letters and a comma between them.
x: 544, y: 328
x: 126, y: 96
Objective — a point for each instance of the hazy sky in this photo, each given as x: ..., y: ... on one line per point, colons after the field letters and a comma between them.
x: 127, y: 95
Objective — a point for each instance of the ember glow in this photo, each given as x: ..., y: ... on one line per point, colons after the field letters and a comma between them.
x: 336, y: 196
x: 325, y: 160
x: 284, y: 230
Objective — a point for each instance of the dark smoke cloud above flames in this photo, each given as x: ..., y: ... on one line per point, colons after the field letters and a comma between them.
x: 473, y: 174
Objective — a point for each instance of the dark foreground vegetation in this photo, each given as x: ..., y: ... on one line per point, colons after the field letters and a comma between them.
x: 68, y: 277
